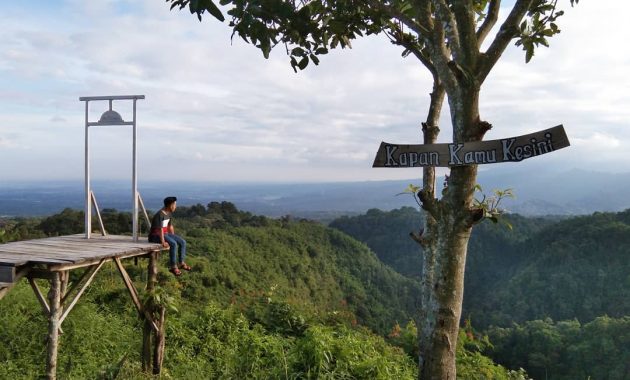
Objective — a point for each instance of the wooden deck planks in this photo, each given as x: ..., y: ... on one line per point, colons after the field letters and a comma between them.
x: 72, y: 252
x: 71, y: 249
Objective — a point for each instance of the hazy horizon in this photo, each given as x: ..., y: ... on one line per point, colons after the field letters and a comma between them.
x: 216, y: 110
x: 569, y: 192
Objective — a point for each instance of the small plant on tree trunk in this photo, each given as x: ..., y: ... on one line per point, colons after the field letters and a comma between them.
x: 485, y: 208
x: 488, y: 206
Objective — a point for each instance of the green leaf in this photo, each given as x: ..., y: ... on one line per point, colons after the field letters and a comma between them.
x: 523, y: 26
x: 294, y: 64
x: 406, y: 6
x: 411, y: 189
x: 193, y: 6
x: 543, y: 41
x: 214, y: 10
x: 298, y: 51
x: 303, y: 63
x: 529, y: 53
x: 266, y: 48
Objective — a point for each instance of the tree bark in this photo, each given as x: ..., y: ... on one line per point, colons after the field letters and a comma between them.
x: 446, y: 247
x: 428, y: 239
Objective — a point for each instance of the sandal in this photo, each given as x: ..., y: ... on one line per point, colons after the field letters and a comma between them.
x: 175, y: 271
x: 185, y: 266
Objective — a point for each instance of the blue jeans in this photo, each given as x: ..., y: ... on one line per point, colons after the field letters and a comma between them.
x: 174, y: 241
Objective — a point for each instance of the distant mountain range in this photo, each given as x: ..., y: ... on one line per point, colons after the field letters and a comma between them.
x: 538, y: 193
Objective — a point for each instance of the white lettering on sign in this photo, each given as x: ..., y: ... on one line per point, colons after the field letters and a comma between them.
x: 512, y: 149
x: 410, y: 159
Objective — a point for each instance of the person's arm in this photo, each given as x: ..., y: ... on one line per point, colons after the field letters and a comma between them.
x: 164, y: 242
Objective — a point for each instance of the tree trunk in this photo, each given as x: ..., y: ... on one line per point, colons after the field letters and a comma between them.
x: 445, y: 249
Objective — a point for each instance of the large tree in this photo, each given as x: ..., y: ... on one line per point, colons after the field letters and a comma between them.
x: 447, y: 37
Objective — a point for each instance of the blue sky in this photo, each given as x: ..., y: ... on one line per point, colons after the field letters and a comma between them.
x: 216, y: 110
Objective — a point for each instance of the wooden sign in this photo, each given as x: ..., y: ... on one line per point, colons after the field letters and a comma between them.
x: 513, y: 149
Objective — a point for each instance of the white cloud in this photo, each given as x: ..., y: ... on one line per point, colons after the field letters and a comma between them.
x: 218, y: 109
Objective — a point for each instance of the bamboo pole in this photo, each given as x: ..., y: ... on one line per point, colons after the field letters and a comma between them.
x: 54, y: 301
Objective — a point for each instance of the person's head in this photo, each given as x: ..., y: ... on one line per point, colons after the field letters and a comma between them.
x: 170, y: 203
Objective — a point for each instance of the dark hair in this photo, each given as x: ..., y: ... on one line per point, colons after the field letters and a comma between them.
x: 169, y: 200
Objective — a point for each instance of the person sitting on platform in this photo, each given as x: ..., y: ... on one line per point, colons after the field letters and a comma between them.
x: 162, y: 232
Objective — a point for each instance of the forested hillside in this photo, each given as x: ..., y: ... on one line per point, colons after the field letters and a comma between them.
x: 575, y: 270
x: 562, y: 269
x: 266, y: 298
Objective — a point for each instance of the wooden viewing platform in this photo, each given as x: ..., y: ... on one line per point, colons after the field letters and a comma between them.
x: 52, y: 259
x: 66, y: 252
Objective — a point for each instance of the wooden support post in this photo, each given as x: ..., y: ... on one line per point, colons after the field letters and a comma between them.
x: 159, y: 342
x: 54, y: 301
x: 147, y: 339
x: 93, y: 270
x: 40, y: 297
x: 64, y: 276
x: 98, y: 214
x: 134, y: 294
x: 144, y: 211
x: 42, y: 300
x: 76, y: 284
x: 147, y: 330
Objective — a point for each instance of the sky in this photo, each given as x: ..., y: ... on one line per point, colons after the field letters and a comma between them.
x: 216, y: 110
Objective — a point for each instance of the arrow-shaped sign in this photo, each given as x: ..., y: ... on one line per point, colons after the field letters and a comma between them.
x: 513, y: 149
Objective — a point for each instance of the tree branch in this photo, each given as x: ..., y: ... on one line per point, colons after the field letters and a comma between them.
x: 419, y: 237
x: 429, y: 203
x: 465, y: 18
x: 425, y: 61
x: 398, y: 39
x: 508, y: 30
x: 489, y: 22
x: 395, y: 13
x: 449, y: 25
x: 440, y: 57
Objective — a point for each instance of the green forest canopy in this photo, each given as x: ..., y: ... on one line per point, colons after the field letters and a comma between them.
x: 574, y: 271
x: 266, y: 299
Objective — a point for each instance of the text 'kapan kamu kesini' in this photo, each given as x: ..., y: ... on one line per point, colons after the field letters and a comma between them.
x: 504, y: 150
